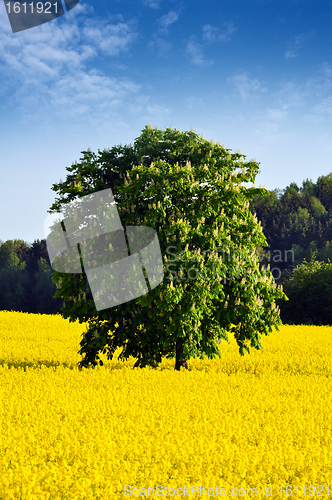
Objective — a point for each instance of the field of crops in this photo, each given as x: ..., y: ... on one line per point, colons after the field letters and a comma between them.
x: 258, y: 421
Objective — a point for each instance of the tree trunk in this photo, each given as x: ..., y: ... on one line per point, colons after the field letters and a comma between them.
x: 180, y: 361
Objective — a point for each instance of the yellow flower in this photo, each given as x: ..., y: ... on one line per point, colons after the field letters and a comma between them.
x: 87, y: 434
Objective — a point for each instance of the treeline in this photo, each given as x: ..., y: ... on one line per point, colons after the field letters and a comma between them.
x: 25, y: 278
x: 297, y: 223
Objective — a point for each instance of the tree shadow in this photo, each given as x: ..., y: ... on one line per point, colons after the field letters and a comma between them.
x: 36, y: 364
x: 24, y: 365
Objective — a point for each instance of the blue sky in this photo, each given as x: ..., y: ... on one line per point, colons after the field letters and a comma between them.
x: 254, y: 75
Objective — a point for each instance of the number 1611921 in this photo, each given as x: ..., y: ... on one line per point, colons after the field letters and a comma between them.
x: 311, y: 491
x: 26, y: 8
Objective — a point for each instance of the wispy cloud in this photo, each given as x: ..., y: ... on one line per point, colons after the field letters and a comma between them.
x: 275, y: 114
x: 195, y: 51
x: 313, y: 95
x: 324, y: 107
x: 321, y: 86
x: 68, y: 47
x: 194, y: 102
x: 168, y: 19
x: 159, y: 46
x: 291, y: 95
x: 148, y: 110
x: 153, y: 4
x: 321, y: 83
x: 51, y: 69
x: 110, y: 39
x: 296, y: 44
x: 247, y: 88
x: 212, y: 34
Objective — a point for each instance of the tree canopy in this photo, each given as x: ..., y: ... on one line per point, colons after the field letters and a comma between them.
x: 189, y: 190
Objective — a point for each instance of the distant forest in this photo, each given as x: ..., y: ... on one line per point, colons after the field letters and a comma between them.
x: 25, y: 278
x: 296, y: 222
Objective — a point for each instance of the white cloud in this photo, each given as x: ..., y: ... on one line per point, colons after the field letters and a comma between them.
x: 111, y: 39
x: 295, y: 45
x: 276, y: 114
x: 194, y: 102
x: 268, y: 132
x: 168, y: 19
x: 291, y: 95
x: 160, y: 46
x: 196, y: 53
x: 248, y: 88
x: 320, y: 86
x: 68, y: 47
x: 294, y: 95
x: 47, y: 73
x: 153, y: 4
x: 322, y: 81
x: 324, y: 107
x: 312, y: 95
x: 148, y: 111
x: 91, y: 91
x: 212, y: 34
x: 4, y: 21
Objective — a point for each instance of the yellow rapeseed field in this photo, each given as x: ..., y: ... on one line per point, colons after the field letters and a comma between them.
x: 260, y: 421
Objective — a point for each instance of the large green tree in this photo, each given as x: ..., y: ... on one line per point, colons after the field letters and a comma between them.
x: 189, y: 190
